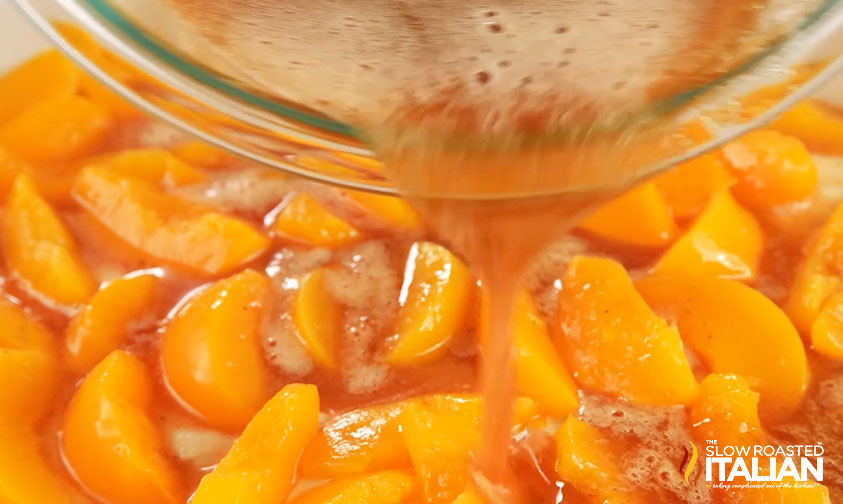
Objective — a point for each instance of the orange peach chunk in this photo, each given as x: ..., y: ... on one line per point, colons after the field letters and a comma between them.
x: 62, y: 129
x: 821, y: 129
x: 10, y: 168
x: 47, y: 76
x: 727, y: 412
x: 827, y: 330
x: 687, y: 187
x: 385, y: 487
x: 89, y: 85
x: 370, y: 439
x: 53, y: 182
x: 261, y: 466
x: 109, y: 442
x: 107, y: 99
x: 153, y: 165
x: 470, y: 496
x: 540, y: 373
x: 435, y: 301
x: 725, y: 241
x: 735, y: 329
x: 101, y: 326
x: 820, y: 274
x: 25, y: 477
x: 317, y: 317
x: 166, y: 227
x: 201, y: 154
x: 28, y: 374
x: 440, y: 442
x: 392, y: 211
x: 360, y: 440
x: 614, y: 343
x: 587, y: 460
x: 653, y: 225
x: 440, y: 434
x: 771, y: 169
x: 27, y: 365
x: 40, y: 250
x: 211, y: 355
x: 306, y: 220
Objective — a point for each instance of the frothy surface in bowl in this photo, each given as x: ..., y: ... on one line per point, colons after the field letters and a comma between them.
x: 488, y: 66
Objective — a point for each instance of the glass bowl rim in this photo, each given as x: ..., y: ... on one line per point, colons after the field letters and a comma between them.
x: 140, y: 47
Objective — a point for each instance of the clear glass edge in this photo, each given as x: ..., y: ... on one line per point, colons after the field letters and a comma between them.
x: 101, y: 32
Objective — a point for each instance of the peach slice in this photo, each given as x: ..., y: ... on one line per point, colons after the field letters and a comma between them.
x: 53, y: 182
x: 25, y: 477
x: 360, y: 440
x: 304, y: 219
x: 317, y: 317
x: 614, y: 343
x: 201, y: 154
x: 108, y: 440
x: 57, y: 130
x: 101, y: 326
x: 104, y: 97
x: 540, y: 373
x: 91, y: 87
x: 40, y: 250
x: 385, y: 487
x: 165, y: 227
x: 470, y: 496
x: 827, y: 330
x: 435, y: 301
x: 261, y: 466
x: 819, y: 274
x: 211, y: 355
x: 392, y: 211
x: 771, y: 169
x: 735, y: 329
x: 819, y: 128
x: 153, y: 165
x: 28, y: 374
x: 653, y: 225
x: 440, y: 434
x: 725, y: 241
x: 688, y: 187
x: 47, y: 76
x: 10, y: 168
x: 727, y: 412
x: 27, y: 365
x: 440, y: 442
x: 370, y: 439
x: 587, y: 460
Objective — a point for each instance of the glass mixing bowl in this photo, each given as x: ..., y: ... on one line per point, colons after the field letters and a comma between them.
x: 212, y: 102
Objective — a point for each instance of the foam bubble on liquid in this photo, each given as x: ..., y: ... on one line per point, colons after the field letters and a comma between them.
x: 252, y: 191
x: 656, y: 436
x: 544, y: 279
x: 282, y: 345
x: 497, y: 66
x: 284, y: 349
x: 198, y: 446
x: 367, y: 285
x: 820, y: 421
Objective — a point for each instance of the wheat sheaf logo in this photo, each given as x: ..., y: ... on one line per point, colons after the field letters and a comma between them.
x: 689, y: 461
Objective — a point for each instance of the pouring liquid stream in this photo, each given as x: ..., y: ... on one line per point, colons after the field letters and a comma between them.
x: 499, y: 237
